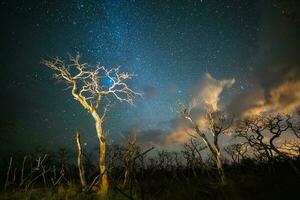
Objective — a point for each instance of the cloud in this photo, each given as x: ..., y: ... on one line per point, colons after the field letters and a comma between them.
x: 179, y: 131
x: 284, y: 98
x: 209, y: 92
x: 207, y: 96
x: 273, y: 76
x: 281, y: 97
x: 182, y: 130
x: 276, y: 70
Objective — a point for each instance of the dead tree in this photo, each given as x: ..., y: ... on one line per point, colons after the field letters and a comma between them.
x: 261, y: 133
x: 192, y: 154
x: 90, y: 87
x: 165, y: 160
x: 80, y: 162
x: 132, y: 150
x: 115, y: 161
x: 37, y: 172
x: 237, y: 152
x: 132, y: 154
x: 133, y: 162
x: 36, y: 169
x: 278, y: 125
x: 218, y: 123
x: 253, y: 131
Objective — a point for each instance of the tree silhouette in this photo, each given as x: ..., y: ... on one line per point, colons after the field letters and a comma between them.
x: 261, y: 133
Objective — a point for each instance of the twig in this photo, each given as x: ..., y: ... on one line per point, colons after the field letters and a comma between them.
x: 7, y: 174
x: 22, y: 171
x: 123, y: 193
x: 93, y: 183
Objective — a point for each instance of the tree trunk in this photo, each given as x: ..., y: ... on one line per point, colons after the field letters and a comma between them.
x: 220, y: 167
x: 126, y: 175
x: 219, y: 158
x: 215, y: 151
x: 102, y: 155
x: 80, y: 162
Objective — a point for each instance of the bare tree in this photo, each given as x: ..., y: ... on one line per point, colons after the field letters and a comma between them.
x: 164, y: 160
x: 37, y: 172
x: 261, y: 133
x: 277, y: 125
x: 218, y: 123
x: 132, y: 160
x: 237, y: 151
x: 132, y: 150
x: 90, y: 86
x: 253, y: 130
x: 192, y: 154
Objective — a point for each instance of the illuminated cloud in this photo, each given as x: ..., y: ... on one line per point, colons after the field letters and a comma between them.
x: 179, y: 132
x: 283, y: 98
x: 182, y: 131
x: 276, y: 72
x: 286, y: 97
x: 207, y: 97
x: 209, y: 92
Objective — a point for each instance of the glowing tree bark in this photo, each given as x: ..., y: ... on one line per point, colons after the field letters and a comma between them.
x: 218, y: 123
x: 89, y: 86
x: 80, y: 162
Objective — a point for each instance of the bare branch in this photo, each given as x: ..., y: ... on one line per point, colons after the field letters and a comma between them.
x: 7, y: 174
x: 88, y: 83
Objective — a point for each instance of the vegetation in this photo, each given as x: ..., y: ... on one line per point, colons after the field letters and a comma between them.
x: 255, y: 168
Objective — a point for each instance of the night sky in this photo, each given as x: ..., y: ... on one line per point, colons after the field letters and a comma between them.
x: 170, y: 45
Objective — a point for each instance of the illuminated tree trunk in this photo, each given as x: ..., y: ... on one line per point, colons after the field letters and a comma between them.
x: 219, y: 158
x: 80, y: 162
x: 217, y: 155
x: 125, y: 182
x: 220, y: 167
x: 102, y: 155
x: 87, y: 88
x: 216, y: 151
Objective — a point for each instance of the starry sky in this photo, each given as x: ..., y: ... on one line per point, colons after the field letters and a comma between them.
x: 169, y: 44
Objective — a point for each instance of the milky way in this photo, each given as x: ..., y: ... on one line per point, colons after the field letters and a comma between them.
x: 170, y: 45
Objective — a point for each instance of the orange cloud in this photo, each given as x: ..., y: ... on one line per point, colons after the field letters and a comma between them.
x: 207, y: 97
x: 209, y: 92
x: 284, y: 98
